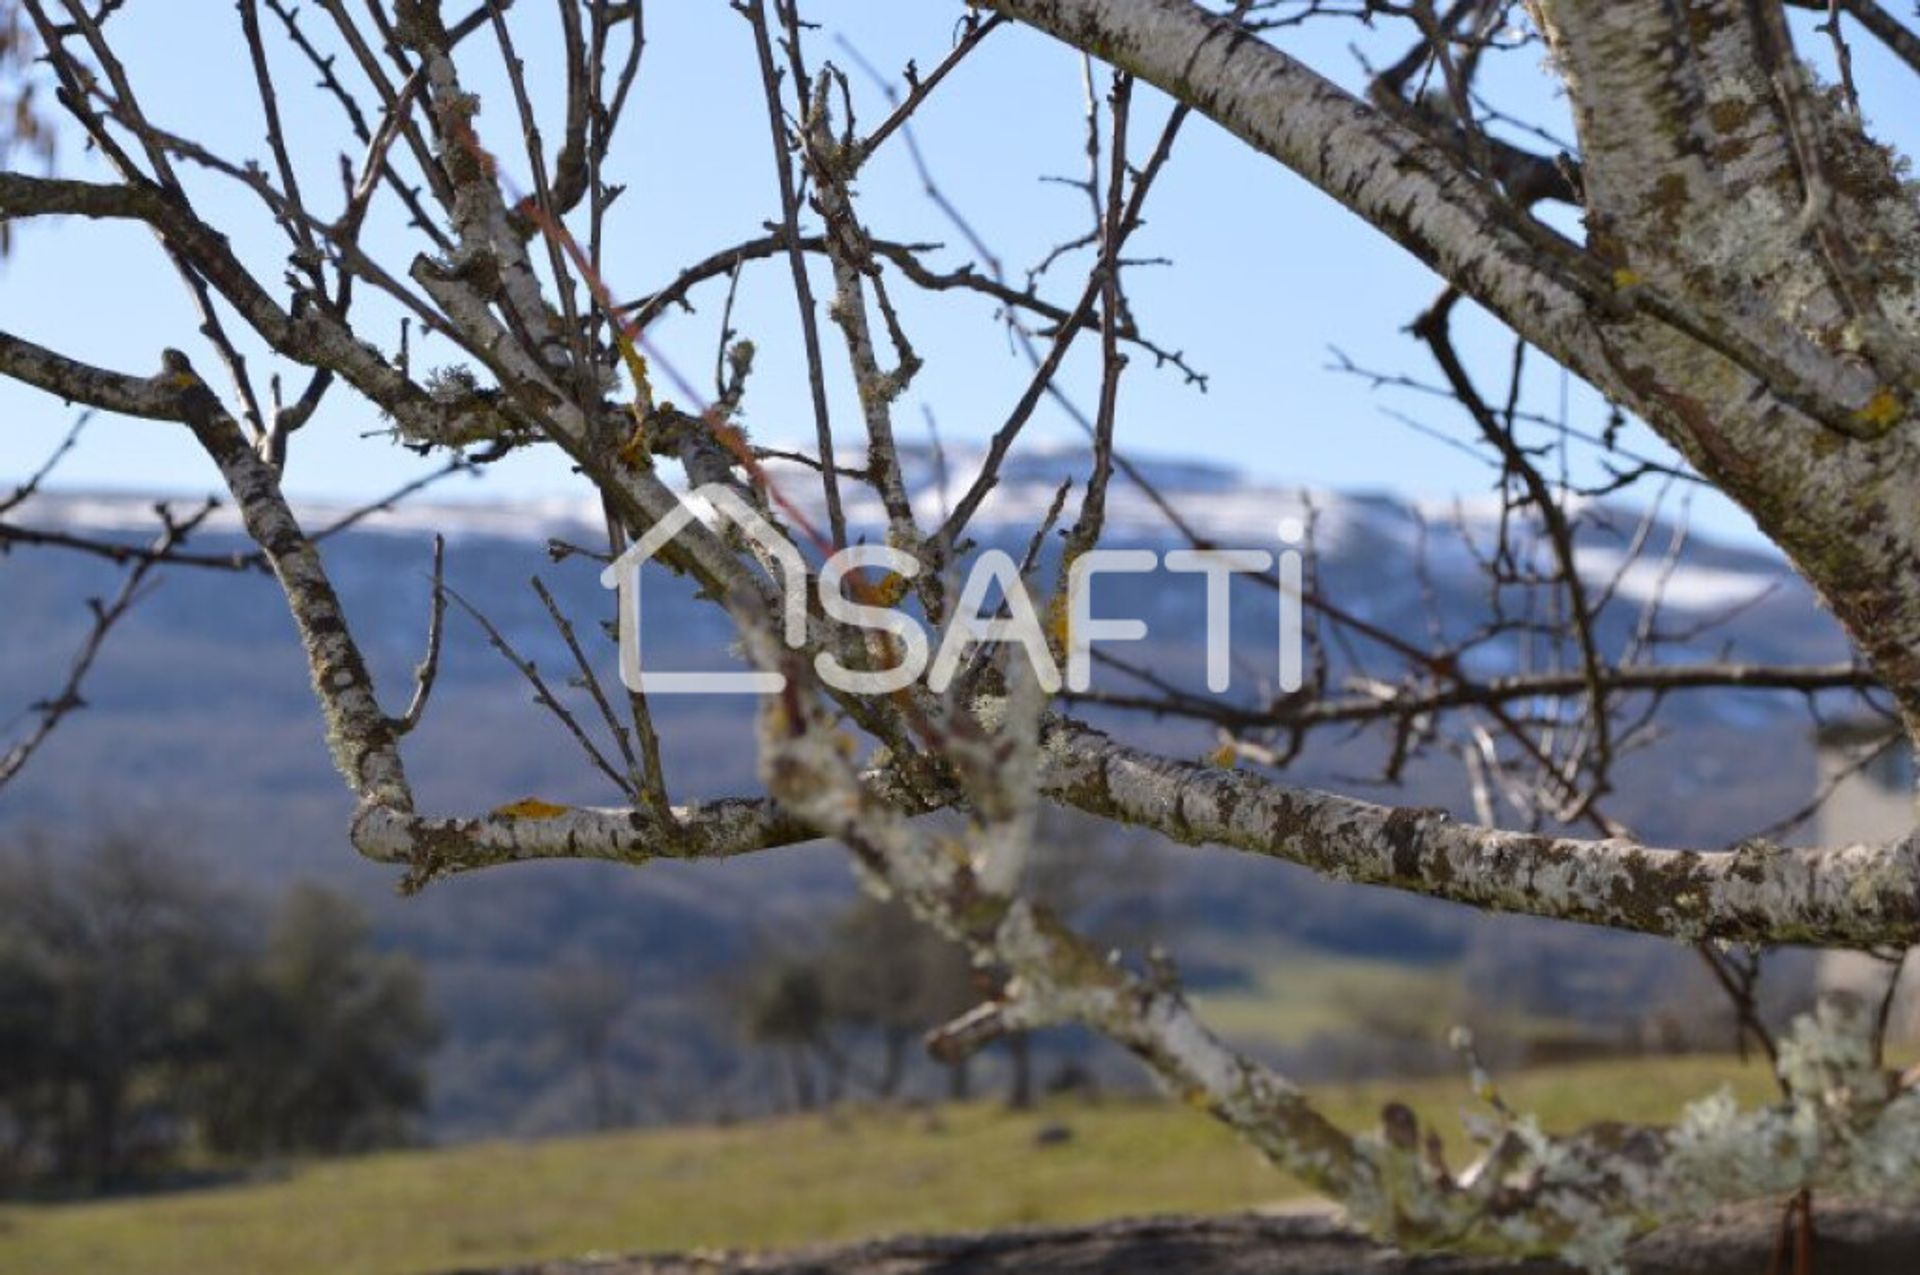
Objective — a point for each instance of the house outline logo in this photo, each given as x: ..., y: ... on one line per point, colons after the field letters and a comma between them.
x: 623, y: 574
x: 1015, y: 620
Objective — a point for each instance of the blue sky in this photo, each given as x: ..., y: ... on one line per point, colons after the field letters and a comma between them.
x: 1269, y: 276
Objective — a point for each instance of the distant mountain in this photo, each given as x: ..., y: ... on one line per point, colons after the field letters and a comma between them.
x: 1212, y: 501
x: 200, y: 727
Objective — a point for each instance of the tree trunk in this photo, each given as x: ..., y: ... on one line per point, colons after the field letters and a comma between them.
x: 105, y: 1105
x: 960, y: 1079
x: 893, y: 1066
x: 804, y: 1097
x: 602, y: 1091
x: 1020, y: 1086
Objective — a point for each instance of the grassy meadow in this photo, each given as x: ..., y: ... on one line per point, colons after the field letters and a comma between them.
x: 848, y: 1174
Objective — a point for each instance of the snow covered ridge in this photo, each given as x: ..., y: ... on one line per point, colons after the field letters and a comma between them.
x: 1215, y: 502
x: 1237, y: 515
x: 1225, y: 507
x: 119, y: 515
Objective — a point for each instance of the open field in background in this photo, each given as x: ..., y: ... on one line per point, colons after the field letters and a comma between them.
x: 1291, y: 998
x: 1360, y: 1006
x: 774, y: 1183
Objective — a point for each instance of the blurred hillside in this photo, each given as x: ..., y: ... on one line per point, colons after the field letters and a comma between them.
x: 200, y: 731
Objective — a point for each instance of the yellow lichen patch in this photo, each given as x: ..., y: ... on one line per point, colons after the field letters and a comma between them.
x: 530, y: 808
x: 1626, y: 278
x: 1059, y: 622
x: 892, y: 587
x: 1224, y: 756
x: 1882, y: 411
x: 633, y: 452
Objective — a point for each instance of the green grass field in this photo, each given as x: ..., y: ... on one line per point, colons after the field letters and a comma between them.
x: 775, y: 1183
x: 1293, y: 995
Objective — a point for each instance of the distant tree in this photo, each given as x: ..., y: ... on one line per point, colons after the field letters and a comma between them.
x: 141, y: 1012
x: 29, y: 1058
x: 584, y: 1000
x: 887, y: 974
x: 321, y: 1043
x: 1099, y: 877
x: 111, y: 959
x: 786, y: 1011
